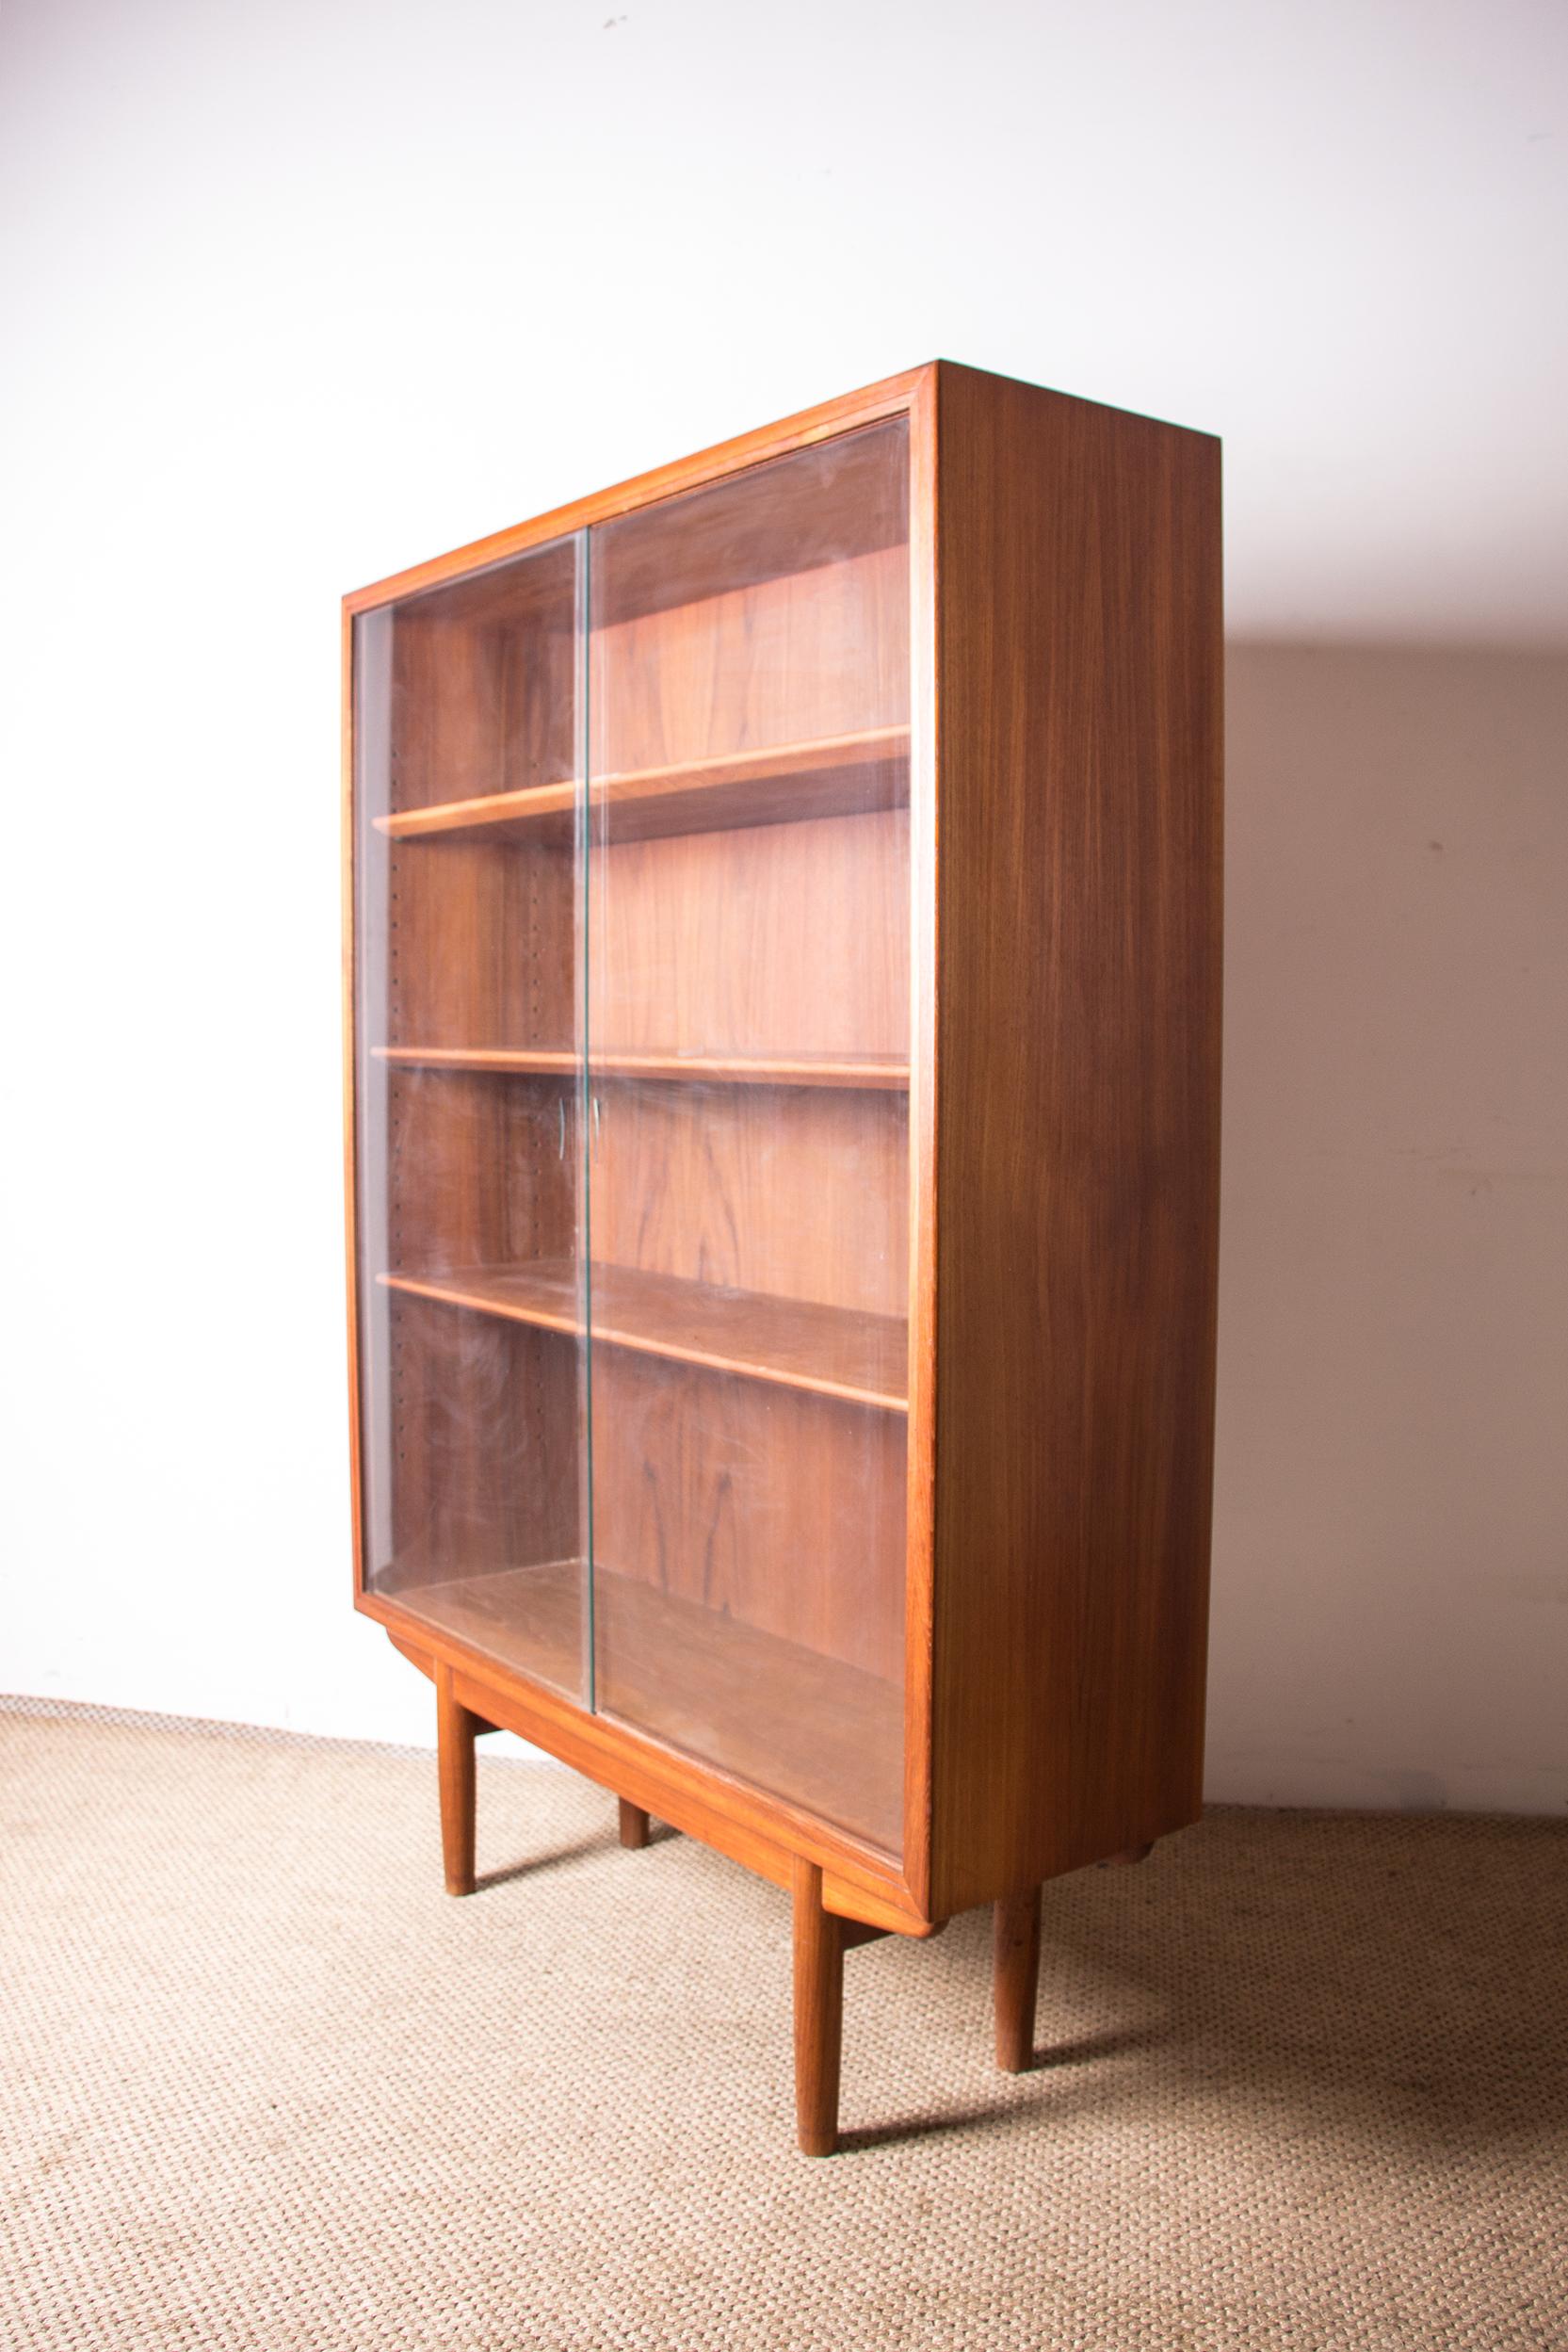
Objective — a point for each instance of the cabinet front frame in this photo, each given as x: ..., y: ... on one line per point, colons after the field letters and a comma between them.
x: 762, y: 1832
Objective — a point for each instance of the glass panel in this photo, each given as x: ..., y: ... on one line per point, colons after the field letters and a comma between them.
x: 749, y: 1162
x: 469, y: 1108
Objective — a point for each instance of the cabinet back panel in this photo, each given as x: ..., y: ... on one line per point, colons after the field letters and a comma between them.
x: 484, y: 1423
x: 783, y: 1511
x: 802, y: 1192
x: 842, y: 497
x: 481, y: 946
x: 812, y: 653
x: 787, y: 939
x: 481, y: 1170
x: 482, y: 685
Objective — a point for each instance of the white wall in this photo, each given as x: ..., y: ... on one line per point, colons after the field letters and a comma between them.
x: 298, y: 292
x: 1390, y: 1616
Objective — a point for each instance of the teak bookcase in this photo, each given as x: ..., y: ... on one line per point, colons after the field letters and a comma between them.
x: 783, y: 1053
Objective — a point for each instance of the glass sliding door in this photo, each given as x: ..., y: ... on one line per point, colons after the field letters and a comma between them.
x: 747, y: 1042
x: 469, y: 1098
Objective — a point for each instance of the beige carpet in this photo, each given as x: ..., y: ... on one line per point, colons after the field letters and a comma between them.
x: 1304, y: 2081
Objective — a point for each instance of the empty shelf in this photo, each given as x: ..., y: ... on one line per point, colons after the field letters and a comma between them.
x: 831, y: 776
x: 823, y: 1735
x: 834, y: 1350
x: 884, y: 1072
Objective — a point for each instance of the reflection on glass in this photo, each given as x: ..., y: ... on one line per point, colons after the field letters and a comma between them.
x: 468, y: 1110
x: 660, y: 996
x: 747, y: 1037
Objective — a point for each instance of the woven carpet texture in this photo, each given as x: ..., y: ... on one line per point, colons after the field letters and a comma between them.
x: 1301, y: 2081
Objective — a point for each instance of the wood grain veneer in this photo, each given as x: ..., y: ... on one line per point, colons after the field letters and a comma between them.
x: 482, y: 700
x: 475, y: 1407
x: 731, y: 1493
x: 805, y: 657
x: 1078, y: 701
x: 787, y: 940
x: 797, y: 1193
x: 480, y: 947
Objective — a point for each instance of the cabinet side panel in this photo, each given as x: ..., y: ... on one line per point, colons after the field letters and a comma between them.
x: 1078, y: 729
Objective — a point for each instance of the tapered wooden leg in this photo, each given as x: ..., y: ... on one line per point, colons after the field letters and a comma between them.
x: 456, y: 1729
x: 634, y: 1825
x: 819, y: 2014
x: 1015, y: 1951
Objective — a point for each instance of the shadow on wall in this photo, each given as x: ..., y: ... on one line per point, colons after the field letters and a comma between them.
x: 1391, y: 1522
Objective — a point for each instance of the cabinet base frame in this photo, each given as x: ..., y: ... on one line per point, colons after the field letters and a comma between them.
x: 825, y: 1925
x: 763, y: 1835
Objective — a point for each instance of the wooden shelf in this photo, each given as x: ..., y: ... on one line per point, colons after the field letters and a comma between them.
x: 884, y: 1072
x: 796, y: 1342
x: 835, y: 776
x: 823, y: 1735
